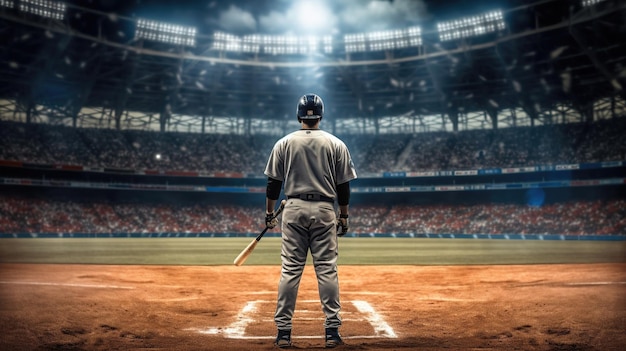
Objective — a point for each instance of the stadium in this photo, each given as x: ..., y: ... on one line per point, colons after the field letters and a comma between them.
x: 489, y: 210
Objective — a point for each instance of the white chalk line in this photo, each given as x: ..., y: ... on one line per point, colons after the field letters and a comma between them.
x: 376, y: 320
x: 237, y: 330
x: 96, y: 286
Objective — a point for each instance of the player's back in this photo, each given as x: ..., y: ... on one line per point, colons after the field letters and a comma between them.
x: 310, y: 158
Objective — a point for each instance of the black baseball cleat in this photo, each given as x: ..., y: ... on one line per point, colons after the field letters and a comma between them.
x: 333, y: 339
x: 283, y: 339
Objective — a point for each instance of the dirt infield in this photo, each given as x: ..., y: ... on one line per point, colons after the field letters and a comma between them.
x: 508, y: 307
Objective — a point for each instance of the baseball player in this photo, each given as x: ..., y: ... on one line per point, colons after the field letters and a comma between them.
x: 315, y: 168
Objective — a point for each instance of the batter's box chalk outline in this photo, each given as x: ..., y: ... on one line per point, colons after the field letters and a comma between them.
x: 237, y: 329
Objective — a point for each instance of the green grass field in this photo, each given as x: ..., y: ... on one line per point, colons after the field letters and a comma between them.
x: 357, y: 251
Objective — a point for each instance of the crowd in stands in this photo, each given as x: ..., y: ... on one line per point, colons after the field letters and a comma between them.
x: 569, y: 218
x: 22, y: 214
x: 106, y: 148
x: 508, y: 147
x: 216, y: 153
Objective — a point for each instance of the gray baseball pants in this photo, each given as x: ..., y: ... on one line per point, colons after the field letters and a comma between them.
x: 308, y: 225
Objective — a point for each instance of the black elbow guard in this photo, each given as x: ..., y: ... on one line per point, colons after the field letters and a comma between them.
x: 273, y: 188
x: 343, y: 194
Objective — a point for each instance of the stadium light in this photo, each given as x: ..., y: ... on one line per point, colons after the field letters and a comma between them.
x: 228, y: 42
x: 327, y: 44
x: 272, y: 44
x: 586, y: 3
x: 383, y: 40
x: 355, y: 42
x: 43, y: 8
x: 471, y: 26
x: 165, y: 32
x: 250, y: 43
x: 7, y: 3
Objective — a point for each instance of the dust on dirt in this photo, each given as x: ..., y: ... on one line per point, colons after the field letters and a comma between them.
x: 104, y: 307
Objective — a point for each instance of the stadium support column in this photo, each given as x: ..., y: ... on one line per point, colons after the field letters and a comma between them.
x: 453, y: 115
x: 124, y: 87
x: 253, y: 105
x: 247, y: 122
x: 613, y: 106
x: 207, y: 111
x: 86, y: 86
x: 25, y: 104
x: 435, y: 75
x: 517, y: 88
x: 492, y: 112
x: 119, y: 110
x: 513, y: 118
x: 29, y: 113
x: 530, y: 111
x: 357, y: 87
x: 375, y: 119
x: 171, y: 82
x: 165, y: 115
x: 585, y: 108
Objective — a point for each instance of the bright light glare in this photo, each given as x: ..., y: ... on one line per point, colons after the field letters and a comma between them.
x: 591, y: 2
x: 312, y: 17
x: 44, y: 8
x: 471, y: 26
x: 272, y: 44
x: 7, y: 3
x: 165, y: 32
x: 383, y: 40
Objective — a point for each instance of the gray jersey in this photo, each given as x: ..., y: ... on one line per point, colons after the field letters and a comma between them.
x: 310, y: 161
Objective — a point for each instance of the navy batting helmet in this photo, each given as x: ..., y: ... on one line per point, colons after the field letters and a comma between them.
x: 310, y: 106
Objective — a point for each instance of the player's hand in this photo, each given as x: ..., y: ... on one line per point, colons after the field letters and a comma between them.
x: 342, y: 225
x: 270, y: 220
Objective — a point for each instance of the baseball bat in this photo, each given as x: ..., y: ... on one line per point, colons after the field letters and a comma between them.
x: 243, y: 255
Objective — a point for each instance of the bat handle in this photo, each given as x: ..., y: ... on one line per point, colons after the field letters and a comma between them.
x: 258, y: 237
x: 280, y: 208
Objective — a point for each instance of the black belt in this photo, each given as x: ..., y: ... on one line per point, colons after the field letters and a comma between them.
x: 311, y: 197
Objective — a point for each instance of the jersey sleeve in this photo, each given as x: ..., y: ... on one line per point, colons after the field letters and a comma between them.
x: 275, y: 165
x: 345, y: 166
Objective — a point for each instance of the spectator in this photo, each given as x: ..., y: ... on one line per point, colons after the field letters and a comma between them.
x: 509, y: 147
x: 23, y: 214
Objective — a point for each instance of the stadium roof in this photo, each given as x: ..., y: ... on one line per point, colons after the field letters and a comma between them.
x: 93, y: 64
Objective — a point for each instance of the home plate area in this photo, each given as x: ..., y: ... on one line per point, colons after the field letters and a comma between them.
x: 255, y: 321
